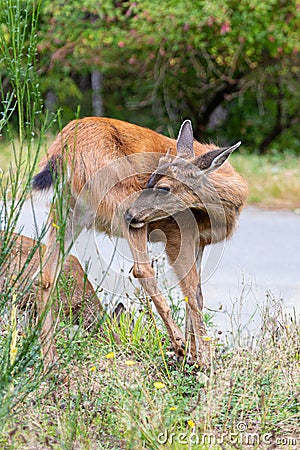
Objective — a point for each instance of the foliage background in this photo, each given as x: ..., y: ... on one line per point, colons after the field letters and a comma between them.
x: 231, y: 66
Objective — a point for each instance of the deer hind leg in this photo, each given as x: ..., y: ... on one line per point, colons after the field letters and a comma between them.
x: 47, y: 277
x: 180, y: 249
x: 143, y: 270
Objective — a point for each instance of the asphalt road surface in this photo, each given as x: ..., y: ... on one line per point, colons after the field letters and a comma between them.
x: 260, y: 264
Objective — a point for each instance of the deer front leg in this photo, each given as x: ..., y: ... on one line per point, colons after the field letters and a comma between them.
x: 180, y: 248
x: 195, y: 329
x: 191, y: 285
x: 143, y: 270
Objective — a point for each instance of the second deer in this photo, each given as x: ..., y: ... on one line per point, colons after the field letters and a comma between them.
x: 23, y: 260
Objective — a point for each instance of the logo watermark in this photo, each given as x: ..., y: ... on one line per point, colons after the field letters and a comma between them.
x: 241, y: 436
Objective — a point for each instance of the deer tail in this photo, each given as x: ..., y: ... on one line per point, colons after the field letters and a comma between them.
x: 45, y: 178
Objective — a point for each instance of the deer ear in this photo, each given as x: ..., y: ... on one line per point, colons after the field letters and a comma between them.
x: 212, y: 160
x: 185, y: 141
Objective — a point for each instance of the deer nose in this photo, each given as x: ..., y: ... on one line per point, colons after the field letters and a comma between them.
x: 128, y: 217
x: 132, y: 221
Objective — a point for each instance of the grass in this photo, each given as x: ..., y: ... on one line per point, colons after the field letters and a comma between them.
x: 273, y: 180
x: 109, y: 395
x: 7, y: 158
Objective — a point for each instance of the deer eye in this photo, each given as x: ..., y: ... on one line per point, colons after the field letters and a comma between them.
x: 163, y: 188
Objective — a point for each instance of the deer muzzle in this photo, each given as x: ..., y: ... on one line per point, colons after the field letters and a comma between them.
x: 133, y: 221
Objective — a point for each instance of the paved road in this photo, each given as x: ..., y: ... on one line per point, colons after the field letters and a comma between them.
x: 261, y: 260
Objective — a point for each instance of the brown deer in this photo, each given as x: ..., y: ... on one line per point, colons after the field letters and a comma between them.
x: 106, y: 163
x: 23, y: 261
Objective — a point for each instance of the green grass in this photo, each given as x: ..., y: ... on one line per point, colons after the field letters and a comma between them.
x: 105, y: 394
x: 7, y: 158
x: 273, y: 181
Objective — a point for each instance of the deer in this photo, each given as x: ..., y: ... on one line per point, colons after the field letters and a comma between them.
x: 129, y: 181
x: 23, y: 261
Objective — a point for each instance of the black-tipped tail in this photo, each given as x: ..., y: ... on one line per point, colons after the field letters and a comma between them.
x: 44, y: 179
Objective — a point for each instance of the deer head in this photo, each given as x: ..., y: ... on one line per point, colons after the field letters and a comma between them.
x: 179, y: 182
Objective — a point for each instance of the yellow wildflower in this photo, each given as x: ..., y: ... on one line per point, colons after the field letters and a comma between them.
x: 110, y: 355
x: 13, y: 352
x: 55, y: 225
x: 206, y: 338
x: 186, y: 299
x: 92, y: 369
x: 173, y: 408
x: 159, y: 385
x: 129, y: 362
x: 191, y: 423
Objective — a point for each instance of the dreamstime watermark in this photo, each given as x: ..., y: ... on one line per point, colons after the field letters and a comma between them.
x: 240, y: 436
